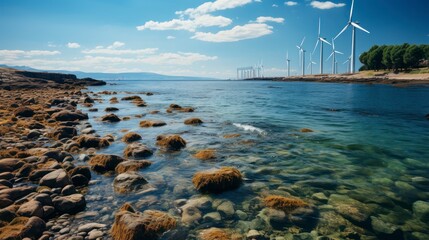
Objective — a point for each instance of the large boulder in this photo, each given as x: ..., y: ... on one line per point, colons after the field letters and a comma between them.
x: 137, y: 151
x: 129, y: 182
x: 31, y: 208
x: 65, y: 116
x: 56, y: 179
x: 88, y: 141
x: 217, y: 180
x: 131, y: 137
x: 132, y: 165
x: 10, y: 164
x: 171, y: 142
x: 23, y: 227
x: 105, y: 162
x: 71, y: 204
x: 63, y: 132
x: 149, y: 225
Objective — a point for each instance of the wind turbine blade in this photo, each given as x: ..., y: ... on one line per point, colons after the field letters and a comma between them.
x: 346, y: 61
x: 344, y: 29
x: 287, y: 55
x: 333, y: 44
x: 302, y: 42
x: 357, y: 26
x: 323, y: 40
x: 330, y: 56
x: 309, y: 66
x: 314, y: 63
x: 319, y: 28
x: 298, y: 47
x: 317, y: 43
x: 351, y: 10
x: 339, y: 52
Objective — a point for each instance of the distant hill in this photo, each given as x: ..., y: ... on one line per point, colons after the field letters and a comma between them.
x: 113, y: 76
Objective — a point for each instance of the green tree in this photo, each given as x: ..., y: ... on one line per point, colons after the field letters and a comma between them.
x: 387, y: 59
x: 397, y: 56
x: 363, y: 59
x: 412, y: 56
x: 375, y: 58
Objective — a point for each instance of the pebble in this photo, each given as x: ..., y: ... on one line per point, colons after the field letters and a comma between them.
x: 226, y: 208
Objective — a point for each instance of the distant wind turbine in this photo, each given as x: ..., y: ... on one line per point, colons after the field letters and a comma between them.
x: 354, y: 25
x: 302, y: 56
x: 310, y: 65
x: 334, y: 52
x: 321, y: 40
x: 348, y: 64
x: 288, y: 64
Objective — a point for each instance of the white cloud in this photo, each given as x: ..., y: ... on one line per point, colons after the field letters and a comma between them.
x: 14, y: 54
x: 217, y: 5
x: 291, y: 3
x: 189, y: 24
x: 113, y: 50
x: 116, y: 45
x: 326, y: 5
x: 275, y: 5
x: 269, y: 19
x: 171, y: 37
x: 237, y: 33
x: 73, y: 45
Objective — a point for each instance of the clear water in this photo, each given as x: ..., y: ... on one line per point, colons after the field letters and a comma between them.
x: 370, y: 143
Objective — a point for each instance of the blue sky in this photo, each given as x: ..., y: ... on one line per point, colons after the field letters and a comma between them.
x: 195, y: 37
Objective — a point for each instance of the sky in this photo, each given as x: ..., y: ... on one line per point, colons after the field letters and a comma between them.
x: 207, y: 38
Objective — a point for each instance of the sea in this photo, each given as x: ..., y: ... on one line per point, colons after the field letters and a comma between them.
x: 362, y: 164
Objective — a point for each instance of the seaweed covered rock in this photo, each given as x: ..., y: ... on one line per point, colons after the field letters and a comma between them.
x: 175, y: 107
x: 193, y: 121
x: 31, y: 208
x: 129, y: 182
x: 171, y: 142
x: 132, y: 98
x: 132, y: 165
x: 56, y: 179
x: 63, y: 132
x: 110, y: 118
x: 206, y: 154
x: 131, y: 137
x: 217, y: 180
x: 214, y: 234
x: 111, y: 109
x: 66, y: 116
x: 137, y: 151
x: 306, y: 130
x: 233, y: 135
x: 24, y: 112
x: 285, y: 204
x: 152, y: 123
x: 88, y: 141
x: 105, y: 162
x: 71, y: 204
x: 23, y: 227
x: 149, y: 225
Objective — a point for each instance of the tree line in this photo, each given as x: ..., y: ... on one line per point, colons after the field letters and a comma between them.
x: 395, y: 57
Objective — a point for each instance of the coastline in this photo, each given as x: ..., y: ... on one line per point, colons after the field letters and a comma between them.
x: 358, y: 78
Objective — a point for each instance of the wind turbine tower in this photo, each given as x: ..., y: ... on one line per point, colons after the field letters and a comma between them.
x: 310, y: 65
x: 288, y: 64
x: 354, y: 25
x: 302, y: 56
x: 334, y: 61
x: 321, y: 40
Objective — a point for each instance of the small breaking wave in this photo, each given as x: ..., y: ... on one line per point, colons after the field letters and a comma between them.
x: 249, y: 128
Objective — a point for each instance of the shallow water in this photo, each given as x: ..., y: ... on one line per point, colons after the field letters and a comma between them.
x: 369, y: 144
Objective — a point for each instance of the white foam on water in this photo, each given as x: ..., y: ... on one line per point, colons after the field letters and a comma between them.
x: 249, y: 128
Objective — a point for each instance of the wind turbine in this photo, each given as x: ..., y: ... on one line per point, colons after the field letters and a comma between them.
x: 334, y: 52
x: 348, y: 65
x: 288, y: 64
x: 310, y: 65
x: 354, y: 25
x: 321, y: 40
x: 302, y: 56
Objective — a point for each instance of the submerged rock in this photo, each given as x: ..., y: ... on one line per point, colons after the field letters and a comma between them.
x: 171, y: 142
x: 105, y: 162
x: 110, y: 118
x: 214, y: 234
x: 131, y: 137
x: 421, y: 210
x: 137, y: 151
x: 132, y: 165
x: 132, y: 225
x: 284, y: 203
x: 217, y: 180
x: 206, y: 154
x: 129, y: 182
x: 306, y: 130
x: 193, y: 121
x: 152, y: 123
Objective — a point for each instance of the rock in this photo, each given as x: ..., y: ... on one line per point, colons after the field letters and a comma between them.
x: 284, y: 203
x: 23, y: 227
x: 207, y: 154
x: 421, y: 210
x: 95, y: 234
x: 71, y: 204
x: 30, y: 209
x: 137, y: 151
x: 34, y: 228
x: 241, y: 215
x: 254, y: 235
x: 217, y: 180
x: 214, y: 234
x: 350, y: 209
x: 88, y: 100
x: 306, y: 130
x: 24, y: 112
x: 80, y: 180
x: 235, y: 135
x: 7, y: 215
x: 33, y: 134
x: 132, y: 98
x: 82, y: 170
x: 385, y: 230
x: 131, y: 137
x: 132, y: 165
x: 56, y: 179
x: 63, y: 132
x: 111, y: 109
x: 190, y: 215
x: 152, y: 123
x: 10, y: 164
x: 320, y: 196
x: 88, y: 141
x: 43, y: 198
x: 90, y: 226
x: 149, y: 225
x: 16, y: 192
x: 58, y: 155
x: 212, y: 217
x: 65, y: 116
x: 171, y: 142
x: 193, y: 121
x: 68, y: 190
x: 226, y: 208
x: 129, y: 182
x: 104, y: 162
x: 110, y: 118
